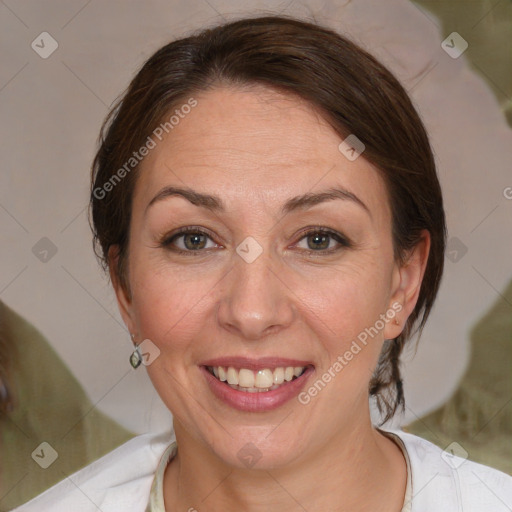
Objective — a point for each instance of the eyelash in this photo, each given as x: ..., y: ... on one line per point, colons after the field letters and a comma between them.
x: 343, y: 242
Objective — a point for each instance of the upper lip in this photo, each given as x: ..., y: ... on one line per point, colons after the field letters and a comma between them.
x: 255, y: 364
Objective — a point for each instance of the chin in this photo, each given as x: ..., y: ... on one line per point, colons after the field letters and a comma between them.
x: 265, y: 447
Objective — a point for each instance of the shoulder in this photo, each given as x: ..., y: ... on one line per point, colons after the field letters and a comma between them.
x: 118, y: 482
x: 443, y: 480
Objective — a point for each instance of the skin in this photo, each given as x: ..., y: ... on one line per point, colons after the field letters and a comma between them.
x: 256, y: 148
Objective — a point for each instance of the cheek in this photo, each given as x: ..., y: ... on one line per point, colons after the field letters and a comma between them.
x: 343, y: 311
x: 171, y: 306
x: 347, y: 298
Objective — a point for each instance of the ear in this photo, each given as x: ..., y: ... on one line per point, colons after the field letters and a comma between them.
x: 406, y: 285
x: 124, y: 301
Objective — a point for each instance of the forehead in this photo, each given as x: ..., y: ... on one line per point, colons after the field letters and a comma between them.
x: 257, y: 141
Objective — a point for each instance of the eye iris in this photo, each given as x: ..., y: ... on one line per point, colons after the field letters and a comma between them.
x: 319, y: 237
x: 195, y: 238
x: 195, y: 241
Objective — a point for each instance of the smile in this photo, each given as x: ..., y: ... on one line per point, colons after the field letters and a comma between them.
x: 250, y: 381
x: 256, y: 385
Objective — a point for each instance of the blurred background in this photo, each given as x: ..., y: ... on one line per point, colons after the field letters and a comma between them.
x: 65, y: 62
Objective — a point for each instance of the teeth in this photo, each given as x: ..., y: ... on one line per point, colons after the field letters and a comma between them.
x: 245, y: 378
x: 278, y: 375
x: 261, y: 380
x: 264, y: 379
x: 232, y: 376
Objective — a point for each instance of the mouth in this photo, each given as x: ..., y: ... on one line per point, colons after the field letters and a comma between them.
x: 256, y: 385
x: 256, y: 381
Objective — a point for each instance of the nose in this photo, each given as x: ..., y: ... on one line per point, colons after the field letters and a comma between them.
x: 256, y: 300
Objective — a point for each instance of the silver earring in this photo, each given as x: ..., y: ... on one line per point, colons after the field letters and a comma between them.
x: 136, y: 356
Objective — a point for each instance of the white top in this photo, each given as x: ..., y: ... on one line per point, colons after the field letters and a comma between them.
x: 129, y: 479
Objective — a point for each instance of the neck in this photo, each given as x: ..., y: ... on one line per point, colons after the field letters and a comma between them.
x: 359, y: 469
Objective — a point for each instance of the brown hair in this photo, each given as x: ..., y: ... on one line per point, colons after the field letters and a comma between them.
x: 353, y: 91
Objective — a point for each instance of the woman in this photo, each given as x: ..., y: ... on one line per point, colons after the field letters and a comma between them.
x: 266, y: 202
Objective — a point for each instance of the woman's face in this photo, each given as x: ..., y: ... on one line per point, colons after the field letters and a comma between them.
x: 254, y: 285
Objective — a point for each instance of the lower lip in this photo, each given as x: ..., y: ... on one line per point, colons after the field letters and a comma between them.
x: 259, y: 401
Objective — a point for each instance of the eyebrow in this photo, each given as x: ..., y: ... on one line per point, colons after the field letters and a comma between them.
x: 215, y: 204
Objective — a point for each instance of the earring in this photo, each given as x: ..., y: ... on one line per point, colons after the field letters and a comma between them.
x: 397, y: 322
x: 136, y: 356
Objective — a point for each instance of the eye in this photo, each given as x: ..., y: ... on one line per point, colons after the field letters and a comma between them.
x: 195, y: 240
x: 322, y: 240
x: 188, y: 240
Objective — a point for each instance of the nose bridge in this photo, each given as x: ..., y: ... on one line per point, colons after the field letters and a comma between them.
x: 255, y: 300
